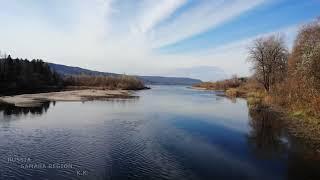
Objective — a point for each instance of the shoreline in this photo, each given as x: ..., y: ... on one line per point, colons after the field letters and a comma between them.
x: 299, y: 127
x: 198, y: 88
x: 35, y: 100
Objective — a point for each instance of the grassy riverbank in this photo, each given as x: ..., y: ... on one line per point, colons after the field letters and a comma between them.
x: 299, y: 122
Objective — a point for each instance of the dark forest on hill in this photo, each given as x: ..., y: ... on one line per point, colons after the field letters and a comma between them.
x: 19, y: 76
x: 22, y: 76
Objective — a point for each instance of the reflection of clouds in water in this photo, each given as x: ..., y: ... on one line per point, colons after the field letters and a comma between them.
x: 202, y: 104
x: 159, y: 146
x: 70, y: 114
x: 168, y: 133
x: 194, y: 102
x: 209, y: 160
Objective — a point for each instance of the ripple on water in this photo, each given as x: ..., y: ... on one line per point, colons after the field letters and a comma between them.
x: 142, y: 140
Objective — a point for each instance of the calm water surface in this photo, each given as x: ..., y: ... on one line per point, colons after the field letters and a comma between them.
x: 170, y: 132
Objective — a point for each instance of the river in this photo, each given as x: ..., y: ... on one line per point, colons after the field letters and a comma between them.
x: 169, y: 132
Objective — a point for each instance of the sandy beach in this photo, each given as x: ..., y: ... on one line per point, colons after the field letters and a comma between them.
x: 198, y: 88
x: 33, y: 100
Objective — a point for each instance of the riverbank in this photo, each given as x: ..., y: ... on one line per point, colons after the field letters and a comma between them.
x: 298, y: 123
x: 34, y: 100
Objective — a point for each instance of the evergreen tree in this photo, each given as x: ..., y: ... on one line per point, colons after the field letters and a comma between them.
x: 17, y: 75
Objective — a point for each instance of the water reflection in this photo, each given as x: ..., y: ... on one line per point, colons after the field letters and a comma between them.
x: 116, y: 98
x: 169, y: 133
x: 267, y: 134
x: 10, y: 109
x: 129, y: 100
x: 303, y: 167
x: 269, y: 140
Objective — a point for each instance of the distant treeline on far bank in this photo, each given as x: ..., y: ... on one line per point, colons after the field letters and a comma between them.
x: 24, y: 76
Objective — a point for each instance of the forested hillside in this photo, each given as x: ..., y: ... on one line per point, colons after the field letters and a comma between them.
x: 20, y: 76
x: 155, y: 80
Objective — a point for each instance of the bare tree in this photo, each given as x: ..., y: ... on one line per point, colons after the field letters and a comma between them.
x: 269, y: 56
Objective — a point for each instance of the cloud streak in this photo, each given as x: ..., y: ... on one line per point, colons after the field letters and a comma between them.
x: 158, y: 11
x: 203, y: 16
x: 120, y: 35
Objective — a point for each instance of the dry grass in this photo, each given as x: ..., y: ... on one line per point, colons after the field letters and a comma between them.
x: 235, y: 87
x: 223, y: 85
x: 232, y: 92
x: 255, y: 99
x: 297, y: 98
x: 105, y: 82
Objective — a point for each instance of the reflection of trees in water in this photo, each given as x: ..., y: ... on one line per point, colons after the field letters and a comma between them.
x: 118, y: 101
x: 303, y: 162
x: 304, y: 166
x: 303, y: 159
x: 129, y: 100
x: 9, y: 109
x: 266, y: 132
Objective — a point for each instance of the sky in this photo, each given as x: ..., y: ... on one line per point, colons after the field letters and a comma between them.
x: 205, y: 39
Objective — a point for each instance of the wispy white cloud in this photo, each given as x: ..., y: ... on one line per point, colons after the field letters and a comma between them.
x: 118, y: 36
x: 156, y: 11
x: 205, y: 15
x: 232, y: 57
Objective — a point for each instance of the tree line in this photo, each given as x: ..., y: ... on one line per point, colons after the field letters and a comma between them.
x: 24, y: 76
x: 291, y: 78
x: 124, y: 82
x: 21, y: 75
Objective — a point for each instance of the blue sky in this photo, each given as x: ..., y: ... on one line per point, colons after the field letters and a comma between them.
x: 205, y: 39
x: 263, y: 19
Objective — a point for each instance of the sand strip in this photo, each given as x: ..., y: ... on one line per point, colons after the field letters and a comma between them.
x: 34, y: 100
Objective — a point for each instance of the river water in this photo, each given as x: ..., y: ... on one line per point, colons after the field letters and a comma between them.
x: 169, y: 132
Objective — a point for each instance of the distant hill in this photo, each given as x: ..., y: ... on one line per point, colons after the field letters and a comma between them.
x: 154, y: 80
x: 70, y: 70
x: 159, y: 80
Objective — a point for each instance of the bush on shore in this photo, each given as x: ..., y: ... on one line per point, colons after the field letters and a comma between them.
x: 223, y: 85
x: 300, y: 90
x: 284, y: 80
x: 107, y: 82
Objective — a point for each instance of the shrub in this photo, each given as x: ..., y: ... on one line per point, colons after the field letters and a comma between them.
x: 234, y: 82
x: 107, y: 82
x: 301, y: 89
x: 232, y: 92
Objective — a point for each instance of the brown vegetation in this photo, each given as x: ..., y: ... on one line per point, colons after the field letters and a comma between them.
x: 223, y: 85
x: 300, y: 91
x: 106, y: 82
x: 234, y: 87
x: 269, y: 58
x: 289, y: 82
x: 18, y: 76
